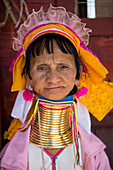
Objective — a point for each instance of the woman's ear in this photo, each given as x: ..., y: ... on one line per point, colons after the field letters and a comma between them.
x: 30, y: 81
x: 77, y: 82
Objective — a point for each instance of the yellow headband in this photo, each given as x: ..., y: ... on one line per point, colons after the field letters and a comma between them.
x: 52, y: 28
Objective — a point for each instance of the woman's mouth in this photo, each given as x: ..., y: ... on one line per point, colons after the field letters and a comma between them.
x: 54, y: 88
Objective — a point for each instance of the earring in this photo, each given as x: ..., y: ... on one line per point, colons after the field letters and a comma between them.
x: 29, y: 95
x: 81, y: 91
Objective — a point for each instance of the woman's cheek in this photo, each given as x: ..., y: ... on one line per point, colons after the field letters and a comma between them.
x: 38, y: 81
x: 35, y: 75
x: 70, y: 75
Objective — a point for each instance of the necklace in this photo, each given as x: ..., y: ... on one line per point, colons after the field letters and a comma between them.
x: 55, y: 126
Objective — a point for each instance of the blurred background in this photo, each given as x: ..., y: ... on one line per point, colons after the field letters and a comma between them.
x: 98, y: 14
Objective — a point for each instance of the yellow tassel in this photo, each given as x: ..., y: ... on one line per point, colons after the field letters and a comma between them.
x: 15, y: 124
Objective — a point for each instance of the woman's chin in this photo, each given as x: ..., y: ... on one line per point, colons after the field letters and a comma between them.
x: 53, y: 97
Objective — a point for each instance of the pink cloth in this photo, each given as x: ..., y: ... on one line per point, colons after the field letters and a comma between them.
x: 16, y: 154
x: 93, y: 155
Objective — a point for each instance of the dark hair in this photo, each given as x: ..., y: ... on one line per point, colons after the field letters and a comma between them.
x: 46, y: 42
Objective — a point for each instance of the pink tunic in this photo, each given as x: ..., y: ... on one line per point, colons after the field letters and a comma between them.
x: 16, y: 154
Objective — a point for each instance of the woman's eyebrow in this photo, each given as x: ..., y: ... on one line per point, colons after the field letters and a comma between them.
x: 61, y: 63
x: 39, y: 62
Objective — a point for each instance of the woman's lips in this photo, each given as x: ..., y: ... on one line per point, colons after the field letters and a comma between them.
x: 54, y: 88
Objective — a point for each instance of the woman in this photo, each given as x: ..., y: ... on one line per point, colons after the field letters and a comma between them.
x: 58, y: 77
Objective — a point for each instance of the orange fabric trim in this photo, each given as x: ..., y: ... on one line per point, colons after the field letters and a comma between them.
x: 57, y: 26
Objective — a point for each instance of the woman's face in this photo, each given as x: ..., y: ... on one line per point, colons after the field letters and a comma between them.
x: 53, y: 75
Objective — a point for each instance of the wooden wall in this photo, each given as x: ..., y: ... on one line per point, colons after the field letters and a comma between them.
x: 101, y: 42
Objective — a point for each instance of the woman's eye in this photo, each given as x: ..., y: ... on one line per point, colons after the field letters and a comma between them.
x: 41, y: 68
x: 63, y: 67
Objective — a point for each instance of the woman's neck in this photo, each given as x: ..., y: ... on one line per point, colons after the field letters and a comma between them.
x: 55, y: 125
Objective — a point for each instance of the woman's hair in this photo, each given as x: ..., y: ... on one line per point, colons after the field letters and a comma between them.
x: 46, y: 42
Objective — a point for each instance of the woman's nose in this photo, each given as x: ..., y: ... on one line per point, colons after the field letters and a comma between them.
x: 53, y: 76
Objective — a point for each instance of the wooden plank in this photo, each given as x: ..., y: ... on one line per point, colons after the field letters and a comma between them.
x: 69, y: 5
x: 100, y: 26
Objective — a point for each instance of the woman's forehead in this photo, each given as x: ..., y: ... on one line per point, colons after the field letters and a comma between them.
x: 56, y: 57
